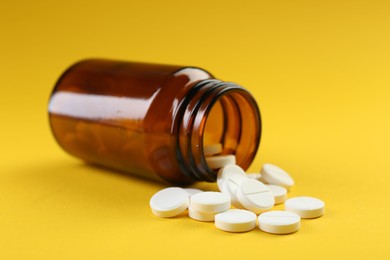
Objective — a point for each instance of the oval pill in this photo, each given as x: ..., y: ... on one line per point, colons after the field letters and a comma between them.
x: 218, y: 161
x: 305, y: 207
x: 169, y: 202
x: 255, y: 196
x: 279, y: 222
x: 236, y: 220
x: 272, y: 174
x: 210, y: 201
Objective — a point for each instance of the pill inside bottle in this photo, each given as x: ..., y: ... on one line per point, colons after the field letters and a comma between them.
x: 152, y: 120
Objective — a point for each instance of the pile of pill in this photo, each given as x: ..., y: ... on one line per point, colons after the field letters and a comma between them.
x: 250, y: 194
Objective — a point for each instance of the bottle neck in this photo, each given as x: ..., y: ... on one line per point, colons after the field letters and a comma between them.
x: 219, y: 112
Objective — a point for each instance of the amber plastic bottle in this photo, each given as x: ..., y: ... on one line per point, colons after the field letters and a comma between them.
x: 152, y: 120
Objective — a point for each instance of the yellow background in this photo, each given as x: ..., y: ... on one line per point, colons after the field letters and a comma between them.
x: 320, y: 73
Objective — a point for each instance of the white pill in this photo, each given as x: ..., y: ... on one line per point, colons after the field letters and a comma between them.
x: 229, y: 178
x: 192, y: 191
x: 210, y: 201
x: 201, y: 216
x: 305, y: 207
x: 274, y: 175
x: 279, y: 192
x: 218, y: 161
x: 279, y: 222
x: 256, y: 176
x: 255, y: 196
x: 236, y: 220
x: 169, y: 202
x: 212, y: 149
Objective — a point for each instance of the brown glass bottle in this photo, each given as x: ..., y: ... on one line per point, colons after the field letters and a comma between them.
x: 152, y: 120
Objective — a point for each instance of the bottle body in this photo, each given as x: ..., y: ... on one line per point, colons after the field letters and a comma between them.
x: 147, y: 119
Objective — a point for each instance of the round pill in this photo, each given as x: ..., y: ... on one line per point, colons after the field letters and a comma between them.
x: 274, y: 175
x: 212, y: 149
x: 201, y: 216
x: 169, y: 202
x: 255, y: 196
x: 192, y: 191
x: 279, y: 222
x: 210, y: 201
x: 305, y: 207
x: 279, y: 192
x: 236, y: 220
x: 229, y: 178
x: 218, y: 161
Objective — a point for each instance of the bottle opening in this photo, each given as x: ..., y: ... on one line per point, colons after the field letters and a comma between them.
x: 218, y: 113
x: 234, y: 123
